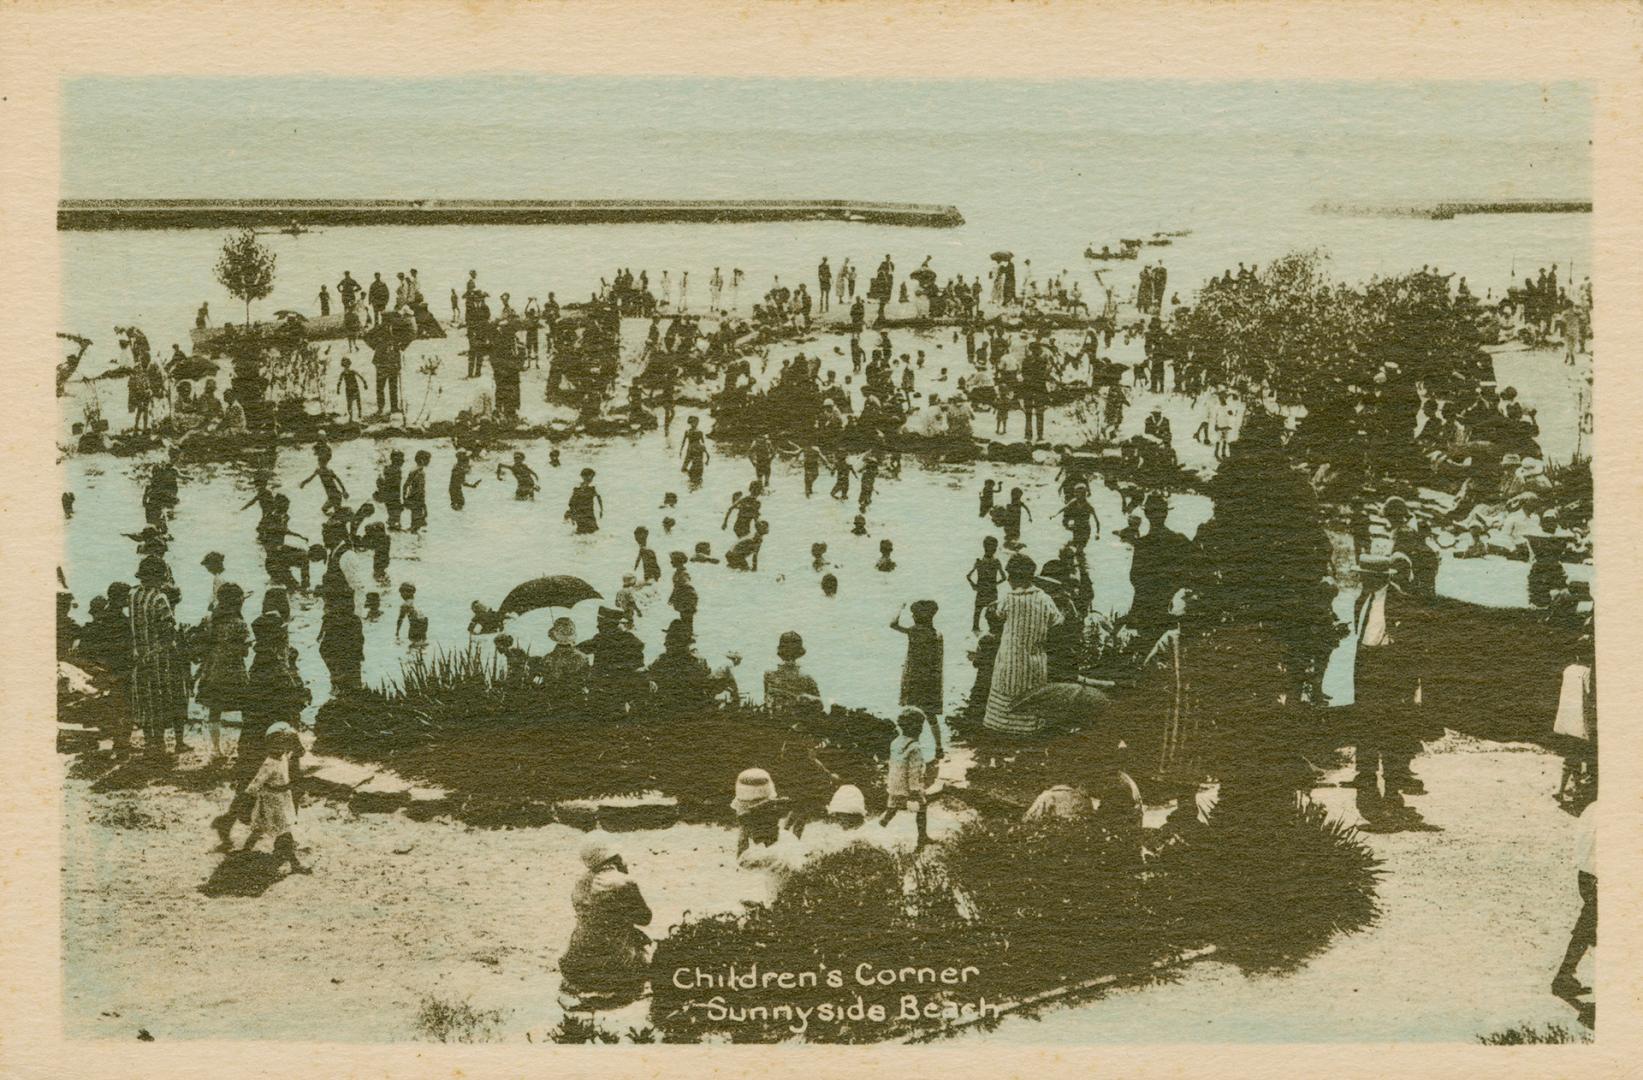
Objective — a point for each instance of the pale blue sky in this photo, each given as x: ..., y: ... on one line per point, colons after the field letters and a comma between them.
x: 491, y: 135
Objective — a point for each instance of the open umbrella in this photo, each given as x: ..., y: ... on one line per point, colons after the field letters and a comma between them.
x: 1003, y: 256
x: 553, y: 591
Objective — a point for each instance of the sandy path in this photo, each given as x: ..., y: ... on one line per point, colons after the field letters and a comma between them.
x: 395, y: 910
x: 1476, y: 917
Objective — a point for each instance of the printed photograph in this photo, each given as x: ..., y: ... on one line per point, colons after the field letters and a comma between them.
x: 705, y: 560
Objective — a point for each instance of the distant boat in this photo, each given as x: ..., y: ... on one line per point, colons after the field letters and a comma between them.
x: 1160, y: 241
x: 1108, y: 253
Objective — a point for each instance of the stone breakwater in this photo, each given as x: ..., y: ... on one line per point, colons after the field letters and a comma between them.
x: 107, y: 214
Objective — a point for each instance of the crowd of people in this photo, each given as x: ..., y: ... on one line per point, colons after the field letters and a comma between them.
x: 1033, y: 617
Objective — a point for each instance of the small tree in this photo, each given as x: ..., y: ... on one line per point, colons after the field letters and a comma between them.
x: 246, y: 269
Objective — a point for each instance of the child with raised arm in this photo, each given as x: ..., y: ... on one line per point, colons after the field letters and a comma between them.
x: 921, y: 671
x: 526, y: 482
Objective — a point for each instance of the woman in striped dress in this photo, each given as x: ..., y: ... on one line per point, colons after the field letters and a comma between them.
x: 1021, y: 666
x: 159, y: 674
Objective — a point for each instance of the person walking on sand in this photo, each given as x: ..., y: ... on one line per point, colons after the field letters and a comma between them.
x: 824, y: 284
x: 274, y: 812
x: 905, y: 781
x: 1565, y: 984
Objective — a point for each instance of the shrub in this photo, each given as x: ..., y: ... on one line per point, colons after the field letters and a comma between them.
x: 461, y: 722
x: 457, y: 1021
x: 1034, y: 906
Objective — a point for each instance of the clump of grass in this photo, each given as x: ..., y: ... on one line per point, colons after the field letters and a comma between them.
x: 506, y: 745
x: 1528, y: 1034
x: 444, y: 1021
x: 127, y: 815
x: 1035, y: 906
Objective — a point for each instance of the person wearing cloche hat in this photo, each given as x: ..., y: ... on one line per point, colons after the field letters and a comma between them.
x: 607, y: 962
x: 848, y: 807
x: 787, y: 689
x: 565, y: 667
x: 616, y: 676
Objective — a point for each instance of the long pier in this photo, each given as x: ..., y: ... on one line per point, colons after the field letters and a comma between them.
x: 1445, y: 209
x: 95, y: 214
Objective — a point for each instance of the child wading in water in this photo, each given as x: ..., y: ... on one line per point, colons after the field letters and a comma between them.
x: 416, y: 491
x: 887, y: 561
x: 647, y: 566
x: 694, y: 452
x: 525, y: 480
x: 408, y: 613
x: 985, y: 577
x: 336, y: 492
x: 1008, y: 518
x: 989, y: 488
x: 275, y: 811
x: 459, y: 480
x: 584, y: 498
x: 390, y: 488
x: 842, y: 472
x: 744, y: 555
x: 905, y: 781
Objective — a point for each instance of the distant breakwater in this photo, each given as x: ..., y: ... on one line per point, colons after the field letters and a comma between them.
x: 302, y: 214
x: 1444, y: 210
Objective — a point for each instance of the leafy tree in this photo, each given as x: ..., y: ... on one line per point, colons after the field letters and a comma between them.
x: 1293, y: 333
x: 246, y: 269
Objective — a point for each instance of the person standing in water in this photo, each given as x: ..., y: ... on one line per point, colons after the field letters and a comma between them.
x: 762, y: 454
x: 1008, y: 518
x: 746, y: 508
x: 869, y: 477
x: 985, y: 577
x: 336, y: 492
x: 584, y: 501
x: 526, y: 482
x: 1078, y: 515
x: 459, y: 480
x: 694, y: 453
x: 390, y: 484
x: 416, y: 492
x: 645, y: 563
x: 842, y: 472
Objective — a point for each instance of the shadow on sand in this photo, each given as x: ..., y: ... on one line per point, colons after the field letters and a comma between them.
x: 243, y: 873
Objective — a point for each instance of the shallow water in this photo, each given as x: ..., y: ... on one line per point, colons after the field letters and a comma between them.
x: 496, y: 542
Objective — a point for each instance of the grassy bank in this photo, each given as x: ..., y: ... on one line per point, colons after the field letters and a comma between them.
x: 509, y: 749
x: 1024, y: 908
